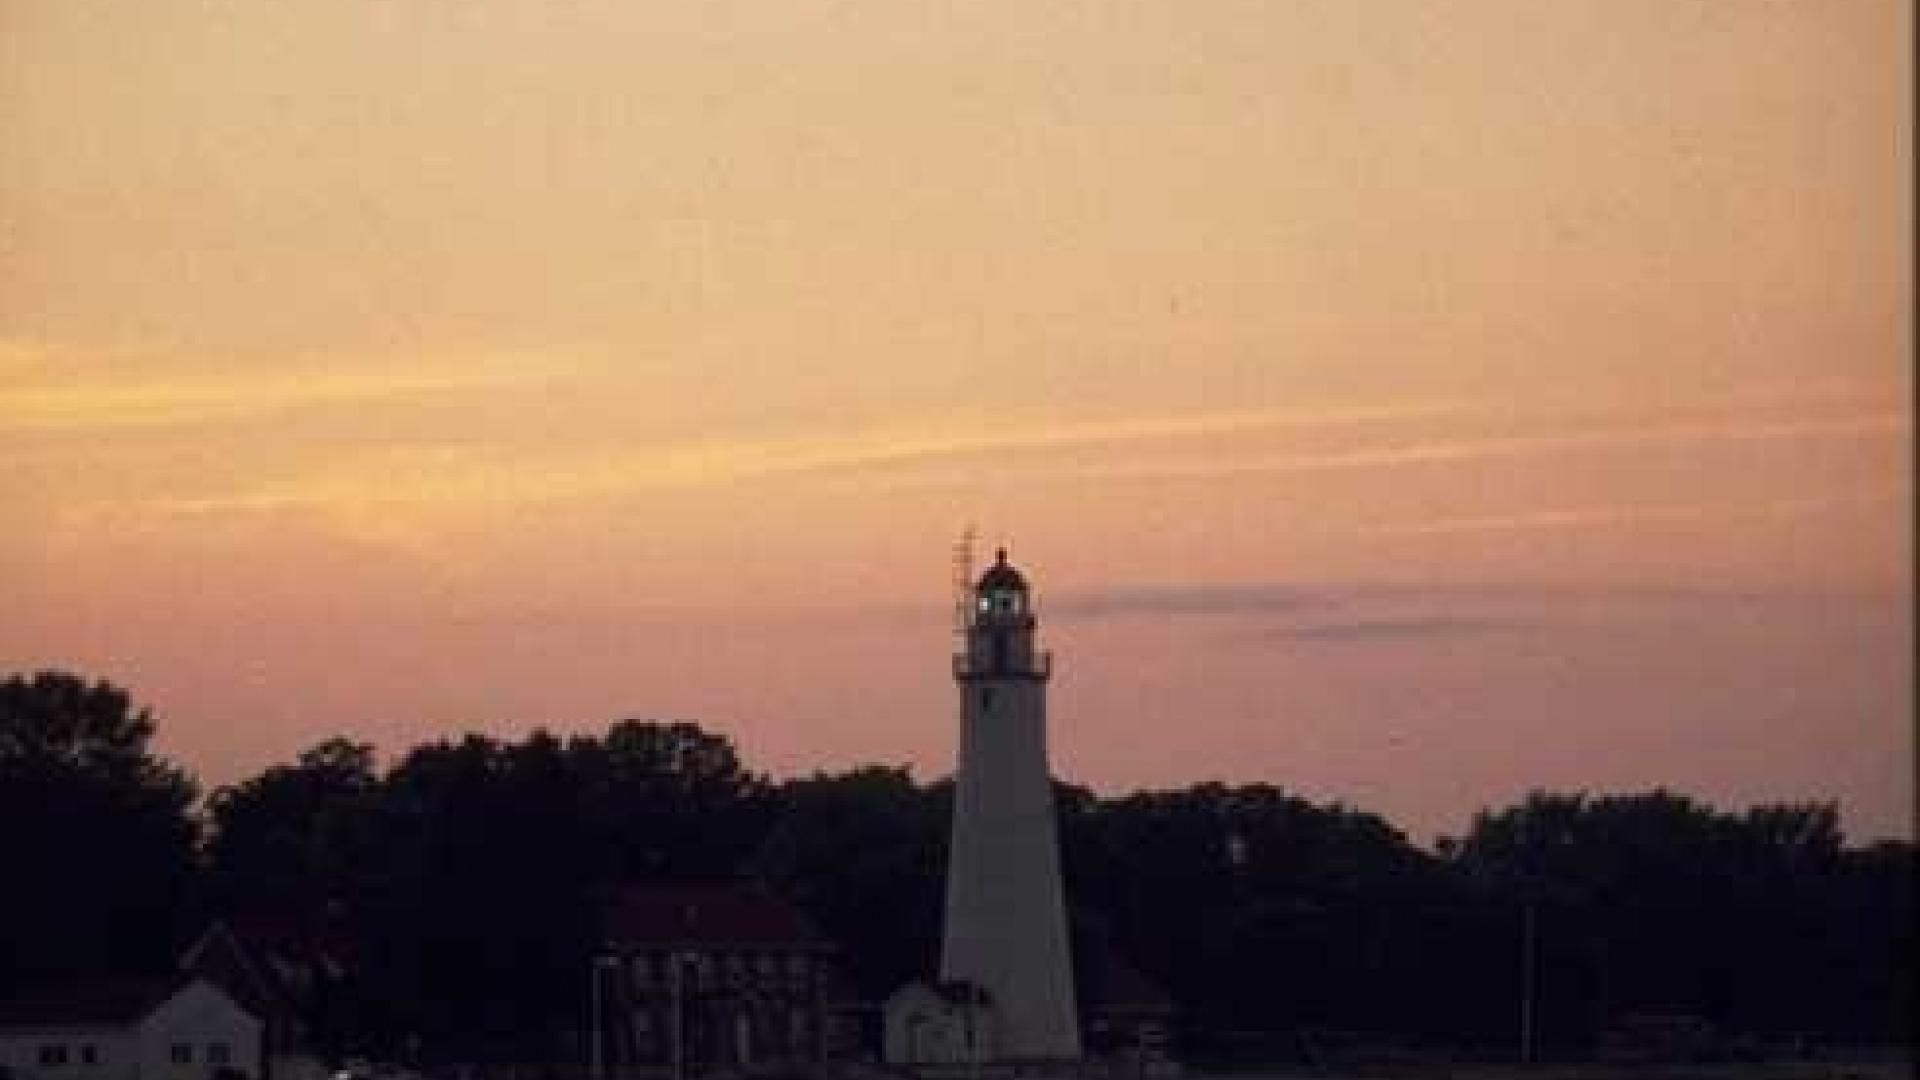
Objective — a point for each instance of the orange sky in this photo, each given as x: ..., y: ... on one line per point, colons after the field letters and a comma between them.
x: 1407, y: 403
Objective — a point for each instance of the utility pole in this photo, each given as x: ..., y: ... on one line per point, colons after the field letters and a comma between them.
x: 678, y: 961
x: 673, y: 963
x: 597, y: 1068
x: 973, y: 1031
x: 1527, y: 930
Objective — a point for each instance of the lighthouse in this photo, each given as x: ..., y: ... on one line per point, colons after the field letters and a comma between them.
x: 1006, y: 924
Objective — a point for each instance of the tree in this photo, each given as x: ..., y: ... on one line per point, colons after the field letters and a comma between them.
x: 284, y: 840
x: 1757, y: 922
x: 472, y: 910
x: 1259, y: 910
x: 864, y: 853
x: 667, y: 802
x: 475, y: 866
x: 98, y: 841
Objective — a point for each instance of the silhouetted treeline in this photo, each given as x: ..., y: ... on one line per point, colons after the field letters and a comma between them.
x: 459, y: 884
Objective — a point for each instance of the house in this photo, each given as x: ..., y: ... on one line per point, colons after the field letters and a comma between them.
x: 939, y: 1023
x: 172, y: 1028
x: 949, y: 1028
x: 703, y: 979
x: 278, y: 972
x: 1126, y: 1019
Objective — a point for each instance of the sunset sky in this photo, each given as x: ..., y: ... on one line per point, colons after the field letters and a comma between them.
x: 1406, y: 403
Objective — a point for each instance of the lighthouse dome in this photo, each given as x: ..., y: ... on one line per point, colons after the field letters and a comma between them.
x: 1001, y: 576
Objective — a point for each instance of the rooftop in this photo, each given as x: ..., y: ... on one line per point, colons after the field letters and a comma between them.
x: 114, y: 1001
x: 714, y: 913
x: 1001, y: 575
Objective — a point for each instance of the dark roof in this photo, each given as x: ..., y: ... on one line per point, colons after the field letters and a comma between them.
x: 269, y: 962
x: 962, y: 992
x: 116, y: 1001
x: 1001, y: 575
x: 731, y: 913
x: 1104, y: 981
x: 953, y: 992
x: 266, y: 983
x: 318, y: 941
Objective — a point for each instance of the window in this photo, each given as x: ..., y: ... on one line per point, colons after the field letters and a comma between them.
x: 53, y: 1054
x: 986, y: 699
x: 642, y: 1029
x: 89, y: 1054
x: 218, y: 1053
x: 181, y: 1054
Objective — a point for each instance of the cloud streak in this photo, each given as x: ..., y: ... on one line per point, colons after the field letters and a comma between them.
x: 1478, y: 448
x: 1585, y: 516
x: 1215, y: 600
x: 80, y: 405
x: 1324, y: 614
x: 1386, y: 612
x: 449, y: 476
x: 474, y: 474
x: 1337, y: 601
x: 1401, y: 628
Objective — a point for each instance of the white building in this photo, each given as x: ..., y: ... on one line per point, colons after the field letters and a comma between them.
x: 940, y: 1024
x: 1006, y: 924
x: 128, y: 1029
x: 275, y: 969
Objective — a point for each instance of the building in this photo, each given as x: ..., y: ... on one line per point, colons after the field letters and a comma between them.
x: 931, y: 1025
x: 279, y: 971
x: 695, y: 980
x: 172, y: 1028
x: 1006, y: 926
x: 1126, y: 1018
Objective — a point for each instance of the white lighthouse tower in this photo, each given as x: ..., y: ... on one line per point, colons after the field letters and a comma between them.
x: 1006, y: 924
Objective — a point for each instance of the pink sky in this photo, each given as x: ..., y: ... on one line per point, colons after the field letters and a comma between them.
x: 1404, y: 403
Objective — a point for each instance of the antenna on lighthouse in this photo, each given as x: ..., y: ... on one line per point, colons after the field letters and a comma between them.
x: 963, y: 581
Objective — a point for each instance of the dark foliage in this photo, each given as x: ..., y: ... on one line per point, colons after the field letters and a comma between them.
x: 465, y: 877
x: 1653, y: 904
x: 97, y: 843
x: 462, y: 880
